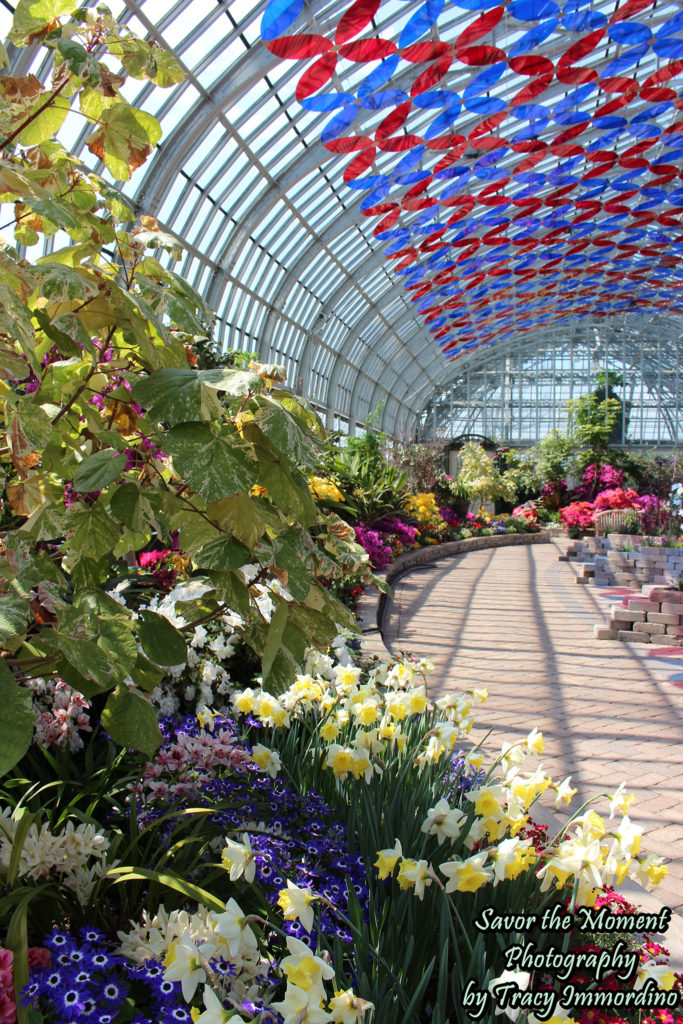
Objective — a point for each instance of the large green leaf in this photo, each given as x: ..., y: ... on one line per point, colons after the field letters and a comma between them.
x: 176, y: 396
x: 274, y: 635
x: 146, y: 675
x: 285, y: 486
x: 118, y: 643
x: 281, y: 672
x: 125, y: 139
x: 64, y: 342
x: 63, y: 284
x: 287, y: 549
x: 46, y: 122
x: 16, y: 721
x: 133, y: 507
x: 99, y: 470
x: 14, y: 613
x: 86, y: 657
x: 31, y: 17
x: 241, y: 515
x: 131, y: 721
x: 48, y: 523
x: 194, y: 530
x: 285, y: 432
x: 95, y: 533
x: 232, y: 591
x: 160, y: 640
x: 12, y: 366
x: 15, y: 319
x: 29, y: 428
x: 214, y: 465
x: 223, y: 553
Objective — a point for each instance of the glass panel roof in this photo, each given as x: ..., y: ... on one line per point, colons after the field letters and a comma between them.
x: 385, y: 192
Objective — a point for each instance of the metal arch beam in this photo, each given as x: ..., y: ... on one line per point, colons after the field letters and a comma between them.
x: 347, y: 220
x: 401, y: 396
x: 181, y: 142
x: 262, y: 205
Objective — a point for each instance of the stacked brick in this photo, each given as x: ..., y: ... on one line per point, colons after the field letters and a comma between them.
x: 600, y: 564
x: 654, y: 616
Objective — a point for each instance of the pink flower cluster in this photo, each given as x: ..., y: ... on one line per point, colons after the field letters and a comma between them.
x: 180, y: 769
x: 579, y: 513
x: 527, y: 511
x: 603, y: 477
x: 616, y: 498
x: 61, y: 714
x: 582, y: 513
x: 8, y: 1007
x: 376, y: 546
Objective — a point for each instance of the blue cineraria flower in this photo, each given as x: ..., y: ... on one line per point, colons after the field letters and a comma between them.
x: 71, y: 1002
x: 59, y: 941
x: 114, y: 992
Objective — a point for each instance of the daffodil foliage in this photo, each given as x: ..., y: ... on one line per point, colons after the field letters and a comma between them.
x: 111, y: 439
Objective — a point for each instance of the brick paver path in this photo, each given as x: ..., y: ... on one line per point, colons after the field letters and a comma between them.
x: 513, y: 620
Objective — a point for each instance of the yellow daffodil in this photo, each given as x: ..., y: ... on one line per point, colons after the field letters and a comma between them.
x: 621, y: 801
x: 563, y: 791
x: 386, y: 860
x: 305, y: 970
x: 467, y: 875
x: 329, y: 730
x: 660, y: 973
x: 295, y: 903
x: 348, y: 1008
x: 267, y: 760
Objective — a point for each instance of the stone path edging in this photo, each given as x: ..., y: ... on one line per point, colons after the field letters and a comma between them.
x: 374, y: 605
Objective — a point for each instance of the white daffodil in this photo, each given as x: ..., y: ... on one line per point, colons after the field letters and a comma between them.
x: 296, y: 1008
x: 621, y: 801
x: 628, y: 836
x: 661, y: 973
x: 238, y: 858
x: 348, y: 1008
x: 520, y: 978
x: 267, y: 760
x: 295, y: 903
x: 183, y: 964
x: 534, y: 742
x: 563, y: 791
x: 214, y: 1012
x: 467, y: 875
x: 443, y: 822
x: 230, y: 926
x: 306, y: 971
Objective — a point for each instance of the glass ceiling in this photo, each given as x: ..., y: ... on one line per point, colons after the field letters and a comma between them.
x: 378, y: 194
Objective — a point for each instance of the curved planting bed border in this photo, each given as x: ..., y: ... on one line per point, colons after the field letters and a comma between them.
x: 373, y: 606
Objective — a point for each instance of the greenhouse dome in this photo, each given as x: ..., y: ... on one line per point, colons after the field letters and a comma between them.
x: 405, y: 202
x: 341, y: 481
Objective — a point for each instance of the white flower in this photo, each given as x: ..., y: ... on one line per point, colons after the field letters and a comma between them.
x: 214, y: 1013
x: 230, y: 926
x: 267, y: 760
x: 199, y: 638
x: 183, y: 964
x: 443, y: 822
x: 238, y: 858
x: 347, y: 1008
x: 297, y: 1009
x: 295, y: 903
x: 661, y: 973
x: 521, y: 980
x: 305, y: 970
